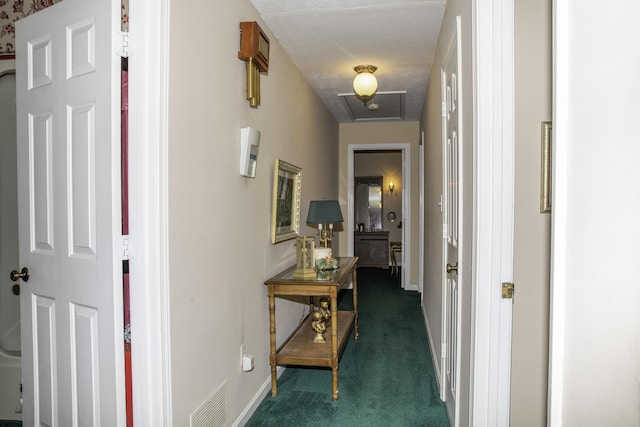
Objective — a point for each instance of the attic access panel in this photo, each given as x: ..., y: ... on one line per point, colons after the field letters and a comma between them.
x: 391, y: 106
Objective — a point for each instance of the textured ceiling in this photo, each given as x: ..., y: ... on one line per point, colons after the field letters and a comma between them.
x: 327, y: 38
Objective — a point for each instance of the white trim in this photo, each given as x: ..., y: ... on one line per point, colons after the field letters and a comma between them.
x: 256, y: 400
x: 434, y: 355
x: 492, y: 254
x: 444, y: 248
x: 406, y: 219
x: 406, y: 202
x: 148, y: 197
x: 561, y: 68
x: 421, y: 218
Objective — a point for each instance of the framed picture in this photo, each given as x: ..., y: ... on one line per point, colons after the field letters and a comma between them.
x: 545, y: 170
x: 285, y: 209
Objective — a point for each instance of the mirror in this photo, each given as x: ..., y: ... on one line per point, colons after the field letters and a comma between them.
x: 368, y: 201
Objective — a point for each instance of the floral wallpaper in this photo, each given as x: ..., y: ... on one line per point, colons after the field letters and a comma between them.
x: 13, y: 10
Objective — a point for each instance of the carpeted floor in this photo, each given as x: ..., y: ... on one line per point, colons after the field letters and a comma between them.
x: 385, y: 379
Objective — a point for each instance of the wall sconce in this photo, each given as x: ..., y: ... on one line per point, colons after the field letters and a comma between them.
x: 324, y: 213
x: 391, y: 187
x: 365, y: 84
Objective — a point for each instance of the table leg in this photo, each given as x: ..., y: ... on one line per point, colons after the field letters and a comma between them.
x: 334, y: 343
x: 272, y: 342
x: 394, y: 263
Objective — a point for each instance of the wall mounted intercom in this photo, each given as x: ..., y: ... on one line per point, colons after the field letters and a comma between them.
x: 249, y: 145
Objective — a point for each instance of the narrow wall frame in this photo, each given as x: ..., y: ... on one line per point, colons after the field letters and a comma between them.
x: 545, y: 170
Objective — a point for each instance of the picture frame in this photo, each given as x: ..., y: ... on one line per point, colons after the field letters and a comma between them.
x: 545, y: 169
x: 285, y: 207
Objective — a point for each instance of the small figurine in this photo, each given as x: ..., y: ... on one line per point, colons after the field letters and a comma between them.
x: 324, y: 309
x: 317, y: 324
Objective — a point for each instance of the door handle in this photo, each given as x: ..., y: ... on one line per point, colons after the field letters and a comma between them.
x: 451, y: 268
x: 24, y: 275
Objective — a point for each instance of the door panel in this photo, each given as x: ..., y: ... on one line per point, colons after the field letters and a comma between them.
x: 451, y: 225
x: 41, y: 184
x: 69, y: 208
x: 82, y: 189
x: 44, y: 352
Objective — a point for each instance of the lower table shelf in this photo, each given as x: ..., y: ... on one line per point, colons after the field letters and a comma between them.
x: 300, y: 349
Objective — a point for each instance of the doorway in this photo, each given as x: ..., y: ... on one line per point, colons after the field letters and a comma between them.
x: 399, y: 194
x: 10, y: 345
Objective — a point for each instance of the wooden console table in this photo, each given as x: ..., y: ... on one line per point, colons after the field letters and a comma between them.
x: 299, y: 349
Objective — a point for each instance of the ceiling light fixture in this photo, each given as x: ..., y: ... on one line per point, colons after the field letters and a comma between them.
x: 365, y: 84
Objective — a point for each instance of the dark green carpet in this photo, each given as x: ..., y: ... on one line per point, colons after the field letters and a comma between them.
x: 385, y: 379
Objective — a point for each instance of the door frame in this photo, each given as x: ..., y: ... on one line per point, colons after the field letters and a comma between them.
x: 148, y: 212
x: 406, y: 202
x: 493, y: 216
x: 421, y: 182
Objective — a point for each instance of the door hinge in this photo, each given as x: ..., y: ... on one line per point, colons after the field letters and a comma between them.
x: 125, y: 247
x: 123, y: 49
x: 507, y: 290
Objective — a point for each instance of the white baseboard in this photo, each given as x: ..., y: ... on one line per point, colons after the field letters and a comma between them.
x: 412, y: 287
x: 253, y: 404
x: 436, y: 361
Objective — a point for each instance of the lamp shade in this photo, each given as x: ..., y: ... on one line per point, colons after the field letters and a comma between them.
x: 365, y: 83
x: 324, y: 212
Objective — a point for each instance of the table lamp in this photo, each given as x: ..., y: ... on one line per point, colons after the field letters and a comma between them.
x: 324, y: 213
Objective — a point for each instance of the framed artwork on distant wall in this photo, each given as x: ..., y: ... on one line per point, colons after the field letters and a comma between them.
x: 285, y: 209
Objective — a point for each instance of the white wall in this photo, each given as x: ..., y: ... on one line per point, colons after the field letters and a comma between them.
x: 532, y: 233
x: 595, y: 324
x: 219, y: 222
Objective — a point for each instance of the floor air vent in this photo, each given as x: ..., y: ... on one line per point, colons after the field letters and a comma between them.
x: 212, y: 413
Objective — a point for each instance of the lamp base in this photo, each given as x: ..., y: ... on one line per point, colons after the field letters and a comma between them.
x: 301, y: 273
x: 325, y: 234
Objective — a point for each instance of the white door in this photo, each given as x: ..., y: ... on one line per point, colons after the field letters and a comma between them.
x: 69, y: 214
x: 451, y: 226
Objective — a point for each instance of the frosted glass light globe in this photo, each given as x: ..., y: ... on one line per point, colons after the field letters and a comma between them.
x: 365, y: 84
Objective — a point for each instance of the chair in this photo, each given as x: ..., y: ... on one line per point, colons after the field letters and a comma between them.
x: 395, y: 247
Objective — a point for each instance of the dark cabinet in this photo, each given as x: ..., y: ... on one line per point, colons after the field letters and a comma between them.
x: 372, y: 248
